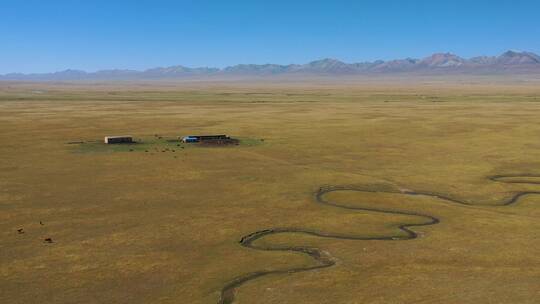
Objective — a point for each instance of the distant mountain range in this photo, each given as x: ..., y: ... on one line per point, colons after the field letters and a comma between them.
x: 441, y: 63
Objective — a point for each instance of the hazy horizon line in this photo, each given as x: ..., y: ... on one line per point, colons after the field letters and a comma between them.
x: 224, y: 67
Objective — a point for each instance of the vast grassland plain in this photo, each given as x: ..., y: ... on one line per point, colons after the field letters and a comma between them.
x: 160, y: 222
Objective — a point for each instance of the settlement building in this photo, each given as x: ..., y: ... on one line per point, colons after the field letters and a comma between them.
x: 118, y: 139
x: 199, y: 138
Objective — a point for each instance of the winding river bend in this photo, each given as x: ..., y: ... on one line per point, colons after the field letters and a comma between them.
x: 324, y: 260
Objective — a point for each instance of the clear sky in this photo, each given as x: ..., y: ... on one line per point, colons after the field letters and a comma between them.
x: 51, y: 35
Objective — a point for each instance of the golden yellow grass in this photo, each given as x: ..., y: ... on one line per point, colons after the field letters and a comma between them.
x: 163, y: 227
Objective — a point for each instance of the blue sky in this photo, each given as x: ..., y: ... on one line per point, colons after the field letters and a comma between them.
x: 44, y: 36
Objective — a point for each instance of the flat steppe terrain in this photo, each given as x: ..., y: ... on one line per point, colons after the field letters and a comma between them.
x: 165, y: 226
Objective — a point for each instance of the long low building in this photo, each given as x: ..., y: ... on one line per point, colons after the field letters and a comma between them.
x: 118, y: 139
x: 198, y: 138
